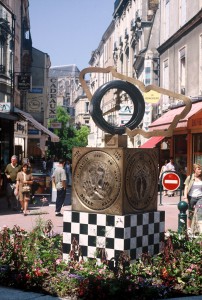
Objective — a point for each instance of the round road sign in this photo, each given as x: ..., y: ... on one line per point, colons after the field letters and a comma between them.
x: 171, y: 181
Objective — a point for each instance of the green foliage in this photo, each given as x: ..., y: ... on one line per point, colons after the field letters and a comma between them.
x: 69, y: 135
x: 33, y: 261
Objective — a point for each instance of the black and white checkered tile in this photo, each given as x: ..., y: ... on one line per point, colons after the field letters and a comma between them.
x: 133, y: 234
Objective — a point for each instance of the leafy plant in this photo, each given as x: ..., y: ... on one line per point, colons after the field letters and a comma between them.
x: 70, y: 136
x: 33, y: 261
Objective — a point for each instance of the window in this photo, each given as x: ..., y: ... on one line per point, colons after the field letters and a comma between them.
x: 165, y: 104
x: 182, y: 71
x: 167, y: 19
x: 6, y: 53
x: 127, y: 61
x: 182, y: 12
x: 197, y: 148
x: 200, y: 65
x: 121, y: 62
x: 180, y: 150
x: 86, y: 107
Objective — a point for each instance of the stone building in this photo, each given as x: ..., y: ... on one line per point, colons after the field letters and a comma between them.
x: 102, y: 57
x: 20, y: 116
x: 14, y: 22
x: 159, y: 42
x: 133, y: 53
x: 81, y: 105
x: 67, y: 81
x: 180, y: 54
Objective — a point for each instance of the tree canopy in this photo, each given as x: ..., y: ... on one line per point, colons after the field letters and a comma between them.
x: 70, y: 135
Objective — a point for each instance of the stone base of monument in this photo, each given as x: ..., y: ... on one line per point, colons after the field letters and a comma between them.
x: 134, y: 233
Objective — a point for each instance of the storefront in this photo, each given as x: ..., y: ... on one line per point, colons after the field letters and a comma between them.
x: 31, y: 136
x: 186, y: 143
x: 20, y: 139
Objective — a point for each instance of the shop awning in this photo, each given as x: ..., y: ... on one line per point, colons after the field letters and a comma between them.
x: 164, y: 121
x: 152, y: 142
x: 8, y: 116
x: 26, y: 116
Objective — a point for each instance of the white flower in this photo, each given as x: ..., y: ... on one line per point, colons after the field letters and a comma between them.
x: 167, y: 235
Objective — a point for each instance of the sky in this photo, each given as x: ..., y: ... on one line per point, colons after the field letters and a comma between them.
x: 69, y: 30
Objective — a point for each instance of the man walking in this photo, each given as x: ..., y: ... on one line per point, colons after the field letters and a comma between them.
x: 59, y: 179
x: 11, y: 174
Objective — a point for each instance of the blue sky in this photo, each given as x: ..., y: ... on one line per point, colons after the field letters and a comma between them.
x: 69, y: 30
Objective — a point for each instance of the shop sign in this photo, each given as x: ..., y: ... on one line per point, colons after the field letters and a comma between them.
x: 196, y: 122
x: 152, y: 97
x: 20, y: 127
x: 34, y: 102
x: 56, y: 125
x: 36, y: 91
x: 126, y: 109
x: 52, y: 101
x: 5, y: 107
x: 33, y: 131
x: 24, y: 82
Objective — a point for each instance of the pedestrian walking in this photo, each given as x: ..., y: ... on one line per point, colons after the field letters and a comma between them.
x: 193, y: 192
x: 24, y: 181
x: 68, y: 173
x: 11, y: 172
x: 59, y: 179
x: 161, y: 175
x: 44, y: 164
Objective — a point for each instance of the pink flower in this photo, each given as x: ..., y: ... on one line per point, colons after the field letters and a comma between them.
x: 58, y: 261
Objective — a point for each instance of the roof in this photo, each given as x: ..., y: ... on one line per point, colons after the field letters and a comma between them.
x: 66, y: 70
x: 36, y: 124
x: 164, y: 121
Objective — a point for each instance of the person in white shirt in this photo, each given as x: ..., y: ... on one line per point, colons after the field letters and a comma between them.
x: 193, y: 191
x: 172, y: 168
x: 161, y: 175
x: 59, y: 179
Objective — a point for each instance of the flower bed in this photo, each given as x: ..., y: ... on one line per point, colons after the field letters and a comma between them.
x: 33, y: 261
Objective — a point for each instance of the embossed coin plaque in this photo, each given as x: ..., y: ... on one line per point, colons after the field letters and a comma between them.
x: 114, y: 181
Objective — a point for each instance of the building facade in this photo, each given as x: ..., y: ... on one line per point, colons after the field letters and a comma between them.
x: 11, y: 15
x: 18, y: 81
x: 159, y: 42
x: 66, y: 79
x: 180, y: 53
x: 133, y: 54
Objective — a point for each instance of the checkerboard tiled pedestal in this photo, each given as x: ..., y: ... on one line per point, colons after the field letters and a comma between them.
x: 133, y: 234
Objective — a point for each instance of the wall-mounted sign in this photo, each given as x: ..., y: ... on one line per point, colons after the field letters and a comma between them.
x: 5, y: 107
x: 20, y: 127
x: 24, y: 82
x: 36, y: 91
x: 34, y: 102
x: 33, y: 131
x: 55, y: 125
x: 152, y: 97
x: 52, y: 99
x: 196, y: 122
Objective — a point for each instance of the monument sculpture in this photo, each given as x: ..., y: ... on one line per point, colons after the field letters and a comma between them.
x: 114, y: 191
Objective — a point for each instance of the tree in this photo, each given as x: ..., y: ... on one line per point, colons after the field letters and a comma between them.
x: 69, y: 135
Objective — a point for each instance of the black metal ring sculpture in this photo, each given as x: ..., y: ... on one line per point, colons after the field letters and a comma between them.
x: 136, y: 97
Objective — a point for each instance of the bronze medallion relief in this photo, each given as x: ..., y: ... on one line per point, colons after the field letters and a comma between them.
x: 141, y: 180
x: 97, y: 180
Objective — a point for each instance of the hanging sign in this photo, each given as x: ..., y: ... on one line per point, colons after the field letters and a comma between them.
x: 24, y: 82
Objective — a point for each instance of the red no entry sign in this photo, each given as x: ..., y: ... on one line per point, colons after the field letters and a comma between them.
x: 171, y: 181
